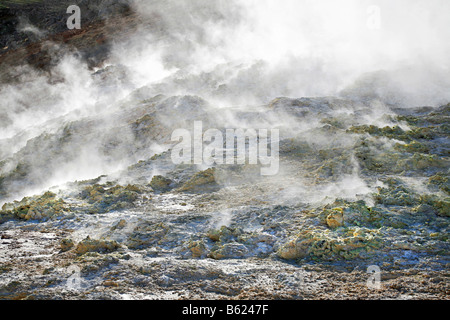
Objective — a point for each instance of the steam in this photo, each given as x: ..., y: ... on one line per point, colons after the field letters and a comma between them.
x: 26, y: 27
x: 231, y: 54
x: 253, y: 51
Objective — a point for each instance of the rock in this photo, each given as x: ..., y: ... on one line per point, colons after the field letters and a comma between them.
x: 294, y: 249
x: 404, y: 245
x: 35, y: 208
x: 439, y: 181
x: 251, y: 244
x: 214, y: 235
x: 120, y: 225
x: 147, y: 234
x: 229, y: 251
x: 424, y: 208
x: 198, y: 249
x: 443, y: 207
x: 224, y: 234
x: 160, y: 183
x: 92, y: 245
x: 336, y: 218
x: 66, y: 245
x: 203, y: 181
x: 106, y: 198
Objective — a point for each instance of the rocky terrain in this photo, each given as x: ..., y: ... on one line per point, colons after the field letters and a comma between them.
x: 361, y: 183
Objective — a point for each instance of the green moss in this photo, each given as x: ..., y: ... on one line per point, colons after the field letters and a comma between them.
x: 34, y: 208
x: 334, y: 168
x: 355, y: 213
x: 322, y: 245
x: 339, y: 123
x: 433, y: 116
x: 443, y: 207
x: 423, y: 162
x: 295, y: 147
x: 233, y: 242
x: 426, y: 133
x: 390, y: 132
x: 372, y: 156
x: 412, y: 147
x: 396, y: 194
x: 105, y: 198
x: 224, y: 234
x: 439, y: 182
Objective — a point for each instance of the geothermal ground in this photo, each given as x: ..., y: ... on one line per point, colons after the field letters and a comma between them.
x: 94, y: 207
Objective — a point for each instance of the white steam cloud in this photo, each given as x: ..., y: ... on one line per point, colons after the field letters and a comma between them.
x: 252, y: 51
x: 230, y: 53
